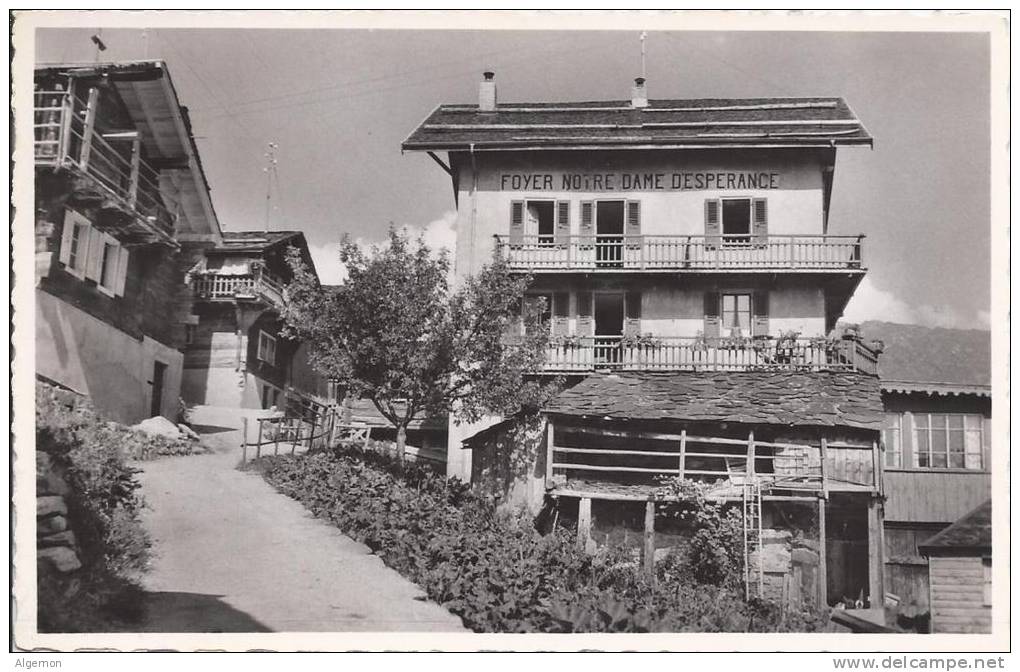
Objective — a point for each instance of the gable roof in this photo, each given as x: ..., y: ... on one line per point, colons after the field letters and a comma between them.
x: 150, y: 99
x: 757, y: 122
x: 257, y: 241
x: 933, y: 360
x: 971, y: 534
x: 778, y: 398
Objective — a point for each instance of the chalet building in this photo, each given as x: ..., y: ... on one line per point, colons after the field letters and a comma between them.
x: 234, y: 353
x: 119, y: 189
x: 692, y: 283
x: 936, y: 395
x: 960, y: 567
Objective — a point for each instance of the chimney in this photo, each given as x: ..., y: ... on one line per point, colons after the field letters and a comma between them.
x: 487, y: 92
x: 638, y: 95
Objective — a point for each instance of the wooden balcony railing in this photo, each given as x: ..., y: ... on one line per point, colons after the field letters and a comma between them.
x: 696, y: 253
x: 576, y: 453
x: 258, y: 286
x: 66, y: 137
x: 668, y: 353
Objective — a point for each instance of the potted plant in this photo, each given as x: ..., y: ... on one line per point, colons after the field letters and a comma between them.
x: 851, y: 332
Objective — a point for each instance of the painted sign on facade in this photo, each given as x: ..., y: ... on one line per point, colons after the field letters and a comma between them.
x: 638, y: 181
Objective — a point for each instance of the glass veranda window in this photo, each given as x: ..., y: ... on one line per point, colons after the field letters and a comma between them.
x: 948, y: 440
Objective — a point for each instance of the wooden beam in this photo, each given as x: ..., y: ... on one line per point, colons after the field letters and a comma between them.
x: 683, y: 452
x: 584, y: 522
x: 876, y: 566
x: 750, y: 453
x: 649, y: 551
x: 136, y: 158
x: 442, y: 165
x: 824, y: 457
x: 549, y: 447
x: 822, y: 578
x: 89, y: 130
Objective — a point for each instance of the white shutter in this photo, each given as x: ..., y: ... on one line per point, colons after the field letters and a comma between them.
x: 122, y: 266
x: 94, y: 260
x: 68, y: 234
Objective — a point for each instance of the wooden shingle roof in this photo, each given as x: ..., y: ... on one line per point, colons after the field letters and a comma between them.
x: 778, y: 398
x: 744, y: 122
x: 970, y: 535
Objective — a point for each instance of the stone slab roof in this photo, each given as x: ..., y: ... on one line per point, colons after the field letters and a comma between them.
x: 668, y: 123
x: 779, y: 398
x: 971, y: 534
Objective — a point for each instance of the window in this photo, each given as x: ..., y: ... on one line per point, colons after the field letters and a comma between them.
x: 108, y: 266
x: 540, y: 221
x: 78, y: 251
x: 736, y: 221
x: 736, y: 313
x: 948, y: 441
x: 892, y: 439
x: 531, y: 303
x: 270, y: 396
x: 89, y: 254
x: 267, y: 348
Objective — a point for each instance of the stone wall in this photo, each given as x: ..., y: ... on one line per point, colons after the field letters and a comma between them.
x: 55, y: 541
x: 789, y: 566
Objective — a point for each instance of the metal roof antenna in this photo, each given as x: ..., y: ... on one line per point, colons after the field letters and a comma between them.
x: 270, y: 171
x: 97, y: 39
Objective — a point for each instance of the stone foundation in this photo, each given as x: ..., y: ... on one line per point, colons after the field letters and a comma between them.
x: 55, y: 541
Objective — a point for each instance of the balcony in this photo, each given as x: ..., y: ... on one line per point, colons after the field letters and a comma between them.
x: 694, y: 253
x: 258, y: 286
x: 66, y: 137
x: 586, y: 354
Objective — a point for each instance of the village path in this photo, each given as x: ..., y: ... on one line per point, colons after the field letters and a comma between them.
x: 233, y: 555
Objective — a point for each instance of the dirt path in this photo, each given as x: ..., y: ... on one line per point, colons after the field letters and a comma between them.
x: 233, y: 555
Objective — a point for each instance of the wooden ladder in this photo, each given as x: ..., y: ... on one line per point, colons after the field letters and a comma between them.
x: 753, y: 580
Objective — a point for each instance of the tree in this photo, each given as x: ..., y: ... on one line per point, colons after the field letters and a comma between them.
x: 394, y: 332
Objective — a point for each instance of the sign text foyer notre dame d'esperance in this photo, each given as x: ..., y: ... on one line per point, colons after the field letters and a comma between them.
x: 621, y: 181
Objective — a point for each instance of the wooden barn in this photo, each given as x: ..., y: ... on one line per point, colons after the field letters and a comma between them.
x: 960, y: 570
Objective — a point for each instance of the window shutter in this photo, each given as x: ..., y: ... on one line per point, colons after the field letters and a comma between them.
x: 632, y: 323
x: 760, y: 316
x: 633, y: 218
x: 561, y: 313
x: 562, y: 222
x: 122, y: 267
x: 587, y: 223
x: 94, y: 260
x: 585, y: 319
x: 712, y: 225
x: 516, y: 222
x: 711, y: 329
x: 760, y: 217
x: 65, y: 238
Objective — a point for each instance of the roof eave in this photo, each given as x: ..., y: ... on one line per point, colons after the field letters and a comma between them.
x: 698, y: 143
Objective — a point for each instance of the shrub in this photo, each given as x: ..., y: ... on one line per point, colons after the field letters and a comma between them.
x: 104, y: 509
x: 492, y: 567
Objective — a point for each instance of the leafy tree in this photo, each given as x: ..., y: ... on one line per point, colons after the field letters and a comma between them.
x: 396, y: 333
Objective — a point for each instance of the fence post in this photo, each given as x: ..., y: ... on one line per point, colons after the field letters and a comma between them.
x: 66, y: 113
x: 258, y: 444
x: 650, y: 537
x: 244, y: 440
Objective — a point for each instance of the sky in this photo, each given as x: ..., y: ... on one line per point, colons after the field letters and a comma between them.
x: 338, y: 103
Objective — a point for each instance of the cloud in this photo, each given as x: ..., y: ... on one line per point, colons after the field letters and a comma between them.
x: 438, y: 234
x: 871, y: 303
